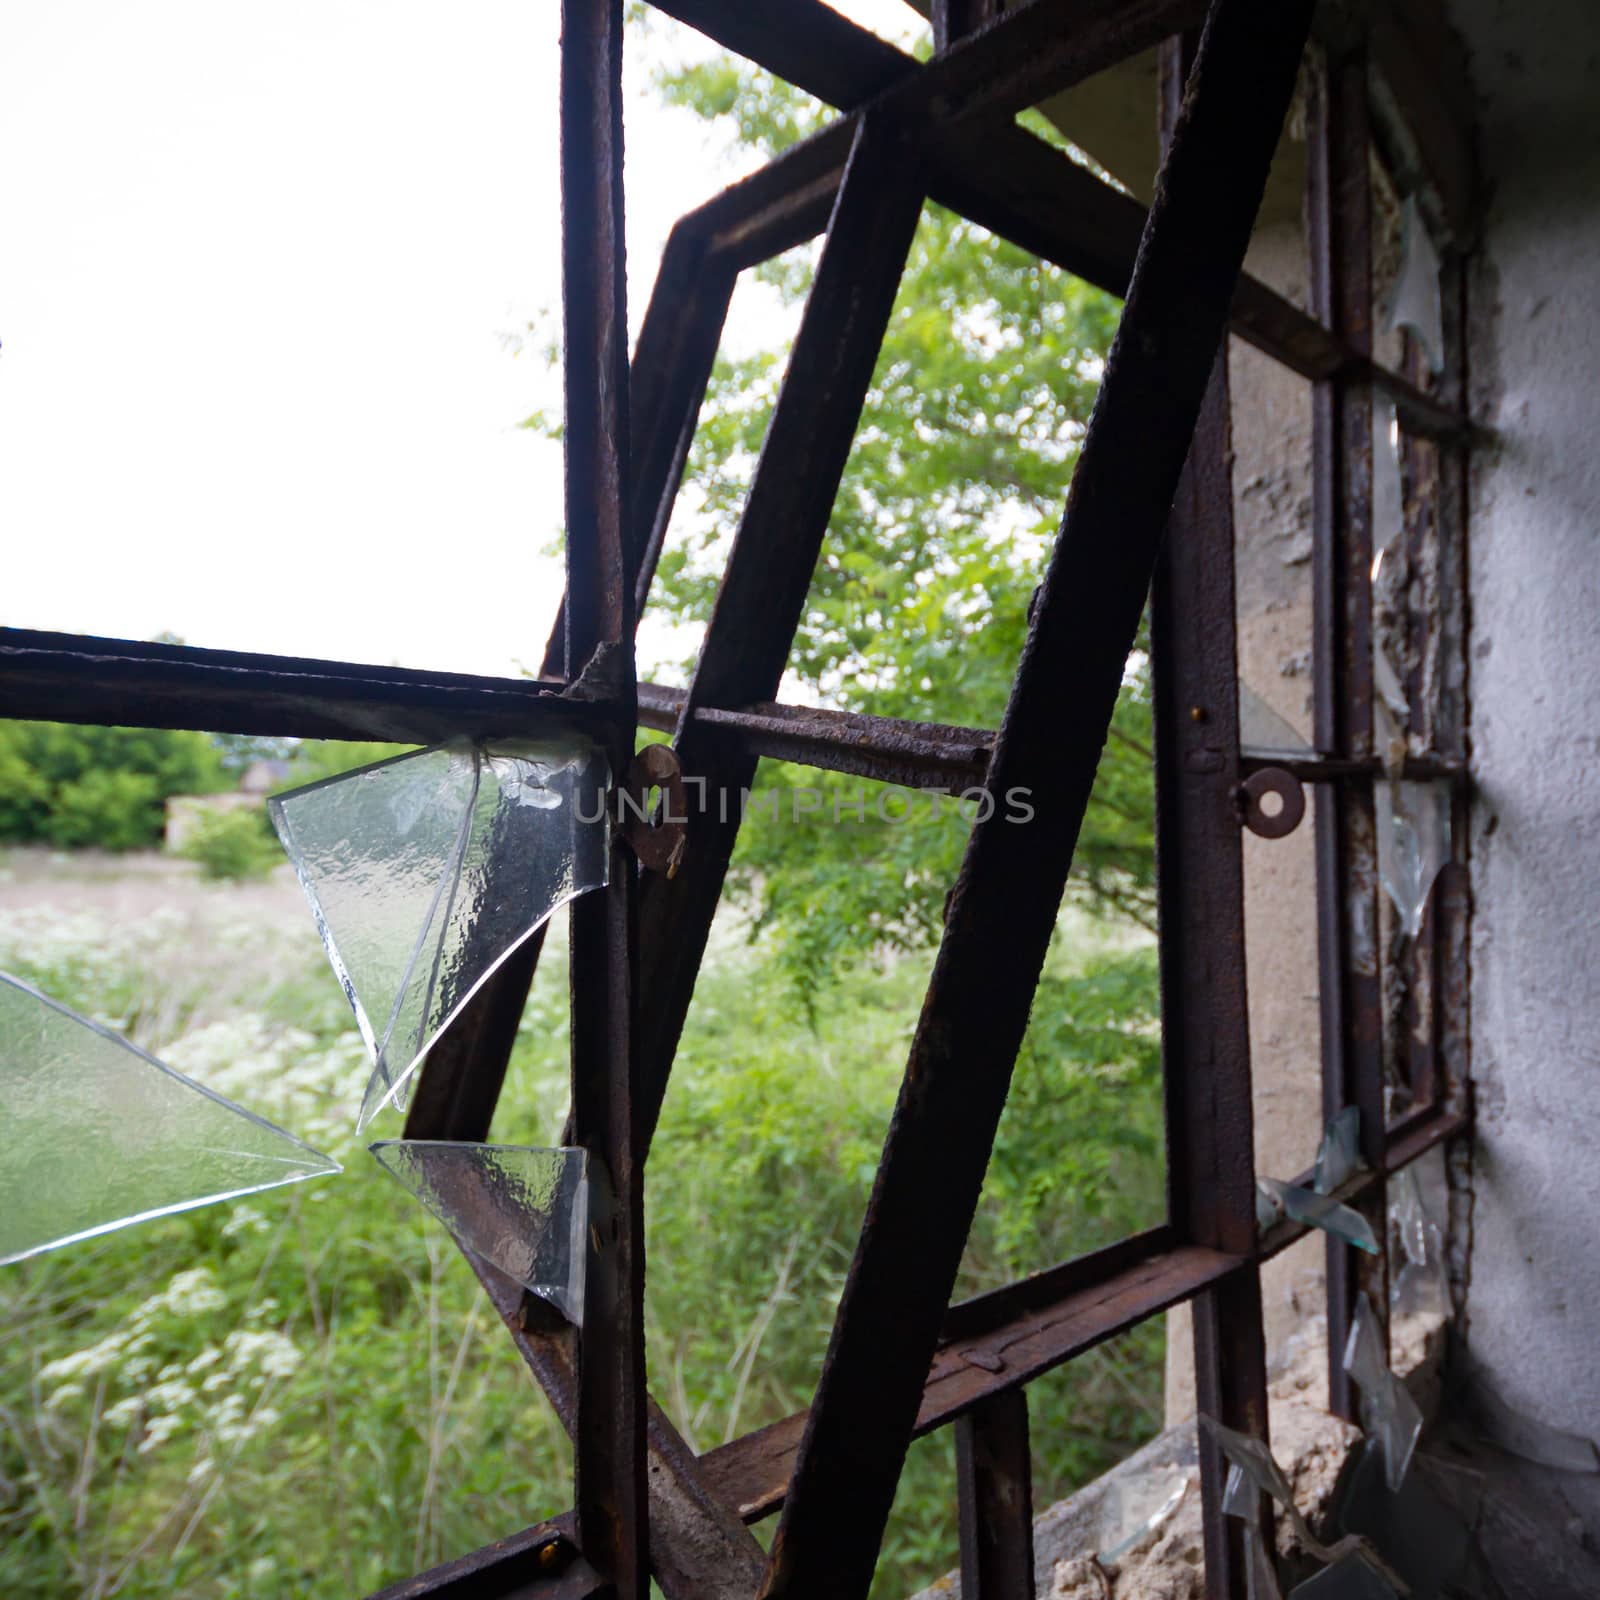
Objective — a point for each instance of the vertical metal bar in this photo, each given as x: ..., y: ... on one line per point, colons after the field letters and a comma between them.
x: 1205, y: 1024
x: 1452, y: 899
x: 1003, y: 909
x: 954, y: 19
x: 611, y: 1415
x: 994, y: 1477
x: 1340, y: 212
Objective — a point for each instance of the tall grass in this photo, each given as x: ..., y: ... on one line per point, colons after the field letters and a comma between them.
x: 305, y: 1393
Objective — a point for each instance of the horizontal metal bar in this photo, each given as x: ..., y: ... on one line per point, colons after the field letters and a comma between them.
x: 1014, y: 1334
x: 915, y: 755
x: 752, y: 1473
x: 63, y: 677
x: 1332, y: 769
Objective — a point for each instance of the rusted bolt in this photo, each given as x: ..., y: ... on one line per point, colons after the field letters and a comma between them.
x: 658, y: 839
x: 1288, y: 805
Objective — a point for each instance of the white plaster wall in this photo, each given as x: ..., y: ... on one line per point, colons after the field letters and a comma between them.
x: 1534, y: 1301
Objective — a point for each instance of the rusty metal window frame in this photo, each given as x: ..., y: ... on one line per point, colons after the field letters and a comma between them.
x: 644, y: 1501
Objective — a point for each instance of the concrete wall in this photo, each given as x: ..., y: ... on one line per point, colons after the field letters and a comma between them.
x: 1533, y: 1306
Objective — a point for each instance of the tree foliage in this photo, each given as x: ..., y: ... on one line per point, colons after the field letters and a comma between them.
x: 68, y: 785
x: 939, y: 534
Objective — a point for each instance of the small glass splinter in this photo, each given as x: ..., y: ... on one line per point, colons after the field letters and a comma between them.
x: 1413, y: 843
x: 427, y: 871
x: 524, y: 1211
x: 1416, y: 302
x: 100, y: 1134
x: 1318, y: 1211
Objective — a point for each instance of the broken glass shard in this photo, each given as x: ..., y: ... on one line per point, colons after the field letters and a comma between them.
x: 1240, y: 1496
x: 1138, y: 1520
x: 1416, y: 302
x: 1391, y: 708
x: 1413, y: 843
x: 1263, y: 731
x: 100, y: 1134
x: 1388, y: 1413
x: 1339, y: 1156
x: 1254, y: 1463
x: 1388, y: 501
x: 426, y: 871
x: 524, y: 1211
x: 1421, y: 1285
x: 1351, y: 1577
x: 1319, y: 1211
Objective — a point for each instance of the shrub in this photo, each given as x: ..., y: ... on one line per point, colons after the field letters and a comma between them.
x: 116, y: 810
x: 232, y: 845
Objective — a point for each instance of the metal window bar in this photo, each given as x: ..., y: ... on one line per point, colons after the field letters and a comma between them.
x: 1206, y: 1254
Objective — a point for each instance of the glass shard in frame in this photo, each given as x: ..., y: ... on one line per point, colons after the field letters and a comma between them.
x: 425, y: 872
x: 523, y: 1210
x: 100, y: 1134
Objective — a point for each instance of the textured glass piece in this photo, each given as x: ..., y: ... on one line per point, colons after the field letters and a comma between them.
x: 1388, y: 500
x: 425, y: 872
x: 523, y: 1210
x: 1388, y: 1413
x: 1319, y: 1211
x: 99, y: 1134
x: 1137, y: 1519
x: 1413, y: 843
x: 1240, y: 1496
x: 1351, y: 1577
x: 1391, y: 708
x: 1339, y: 1156
x: 1262, y: 729
x: 1417, y: 303
x: 1421, y: 1286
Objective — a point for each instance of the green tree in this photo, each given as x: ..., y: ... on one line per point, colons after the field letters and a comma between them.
x: 939, y: 534
x: 71, y: 785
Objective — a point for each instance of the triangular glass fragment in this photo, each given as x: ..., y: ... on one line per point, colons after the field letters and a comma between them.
x: 100, y: 1134
x: 1415, y: 302
x: 1263, y: 731
x: 1413, y: 843
x: 1255, y: 1464
x: 524, y: 1211
x: 1388, y: 1413
x: 1351, y: 1577
x: 1421, y: 1286
x: 1339, y: 1155
x: 425, y: 872
x: 1318, y: 1211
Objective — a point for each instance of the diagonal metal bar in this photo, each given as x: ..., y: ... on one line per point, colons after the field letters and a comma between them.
x: 763, y: 589
x: 1004, y: 905
x: 666, y: 383
x: 609, y: 1437
x: 1010, y: 181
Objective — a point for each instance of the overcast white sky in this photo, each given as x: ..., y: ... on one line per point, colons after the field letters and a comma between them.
x: 255, y: 266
